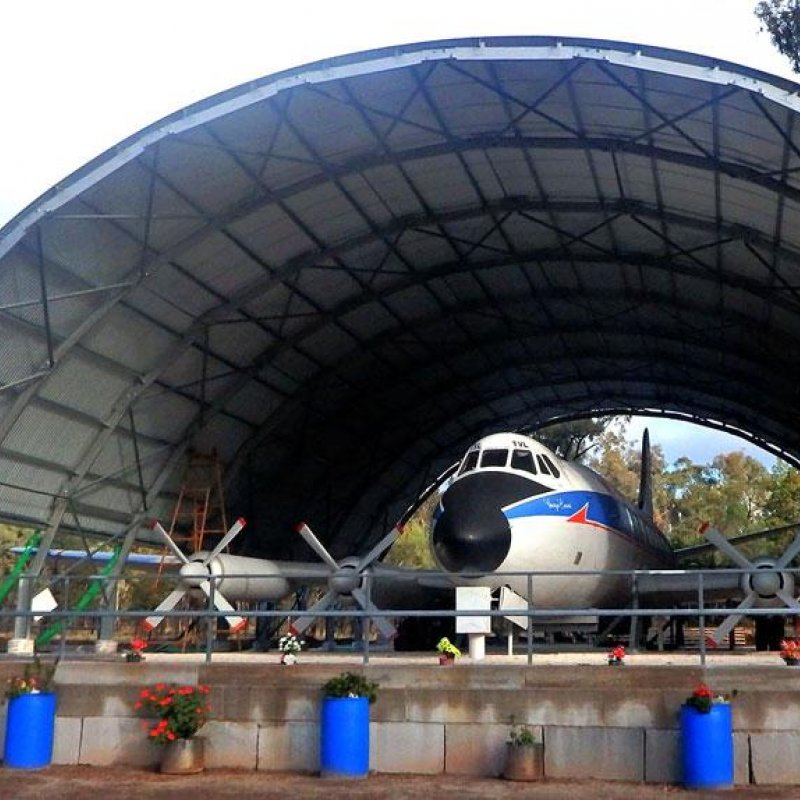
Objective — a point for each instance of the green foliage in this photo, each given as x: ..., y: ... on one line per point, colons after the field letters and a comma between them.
x: 351, y: 684
x: 412, y: 548
x: 573, y: 440
x: 521, y: 736
x: 447, y: 648
x: 781, y: 19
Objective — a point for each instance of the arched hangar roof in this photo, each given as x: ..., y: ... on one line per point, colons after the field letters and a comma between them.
x: 339, y: 275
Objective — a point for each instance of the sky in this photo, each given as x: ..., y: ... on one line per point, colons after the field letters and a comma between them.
x: 78, y: 77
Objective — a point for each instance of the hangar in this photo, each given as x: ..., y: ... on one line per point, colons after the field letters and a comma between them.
x: 339, y: 276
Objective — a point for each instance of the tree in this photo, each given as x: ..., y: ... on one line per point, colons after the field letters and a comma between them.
x: 572, y: 440
x: 781, y: 18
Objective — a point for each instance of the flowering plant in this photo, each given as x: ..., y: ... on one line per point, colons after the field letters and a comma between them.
x: 133, y: 652
x: 703, y: 698
x: 290, y: 644
x: 35, y: 679
x: 616, y: 655
x: 181, y: 710
x: 790, y: 649
x: 447, y: 648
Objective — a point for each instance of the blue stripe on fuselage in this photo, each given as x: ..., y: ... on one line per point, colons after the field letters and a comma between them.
x: 602, y: 509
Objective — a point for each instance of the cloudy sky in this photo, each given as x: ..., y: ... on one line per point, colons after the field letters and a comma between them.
x: 77, y: 77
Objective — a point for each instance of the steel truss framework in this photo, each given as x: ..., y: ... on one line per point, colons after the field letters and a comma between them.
x: 340, y: 275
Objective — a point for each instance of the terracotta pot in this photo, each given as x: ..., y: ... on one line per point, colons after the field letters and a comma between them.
x: 446, y: 660
x: 183, y: 757
x: 524, y: 762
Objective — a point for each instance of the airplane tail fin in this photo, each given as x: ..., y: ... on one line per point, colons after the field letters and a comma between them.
x: 646, y: 477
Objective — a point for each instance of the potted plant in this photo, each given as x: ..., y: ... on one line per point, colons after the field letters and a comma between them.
x: 180, y: 712
x: 132, y: 652
x: 30, y: 721
x: 707, y: 740
x: 289, y: 646
x: 790, y: 652
x: 524, y: 754
x: 616, y: 656
x: 448, y: 652
x: 344, y: 729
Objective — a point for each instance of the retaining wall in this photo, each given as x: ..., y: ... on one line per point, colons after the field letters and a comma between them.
x: 617, y: 723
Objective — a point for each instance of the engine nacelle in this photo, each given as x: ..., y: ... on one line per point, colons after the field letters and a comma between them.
x: 238, y: 577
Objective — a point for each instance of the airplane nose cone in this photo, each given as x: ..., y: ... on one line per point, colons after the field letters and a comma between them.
x: 472, y: 533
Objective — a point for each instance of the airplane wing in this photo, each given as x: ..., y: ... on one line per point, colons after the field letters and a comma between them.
x: 103, y: 556
x: 707, y: 547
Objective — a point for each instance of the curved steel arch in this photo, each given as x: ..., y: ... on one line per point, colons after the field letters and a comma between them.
x: 251, y: 273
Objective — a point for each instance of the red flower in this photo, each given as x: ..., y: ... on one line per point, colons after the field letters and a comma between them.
x: 703, y: 691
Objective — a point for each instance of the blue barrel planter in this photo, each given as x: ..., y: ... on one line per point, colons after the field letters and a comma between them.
x: 344, y: 737
x: 707, y: 747
x: 29, y: 731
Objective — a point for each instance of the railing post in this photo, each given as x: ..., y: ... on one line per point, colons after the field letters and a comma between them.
x: 702, y: 620
x: 529, y: 645
x: 633, y: 644
x: 367, y: 620
x: 211, y: 622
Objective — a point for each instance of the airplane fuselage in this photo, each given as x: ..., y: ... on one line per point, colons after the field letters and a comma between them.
x: 516, y: 507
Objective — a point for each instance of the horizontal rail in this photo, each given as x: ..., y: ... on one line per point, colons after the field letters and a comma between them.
x: 698, y: 608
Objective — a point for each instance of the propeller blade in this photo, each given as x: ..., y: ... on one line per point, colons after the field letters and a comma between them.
x: 316, y: 545
x: 221, y: 604
x: 226, y: 540
x: 729, y: 623
x: 384, y: 543
x: 167, y: 604
x: 305, y: 618
x: 724, y: 546
x: 382, y: 623
x: 159, y: 529
x: 787, y: 598
x: 789, y: 553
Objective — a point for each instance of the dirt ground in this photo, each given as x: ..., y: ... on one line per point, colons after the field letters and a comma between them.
x: 71, y: 783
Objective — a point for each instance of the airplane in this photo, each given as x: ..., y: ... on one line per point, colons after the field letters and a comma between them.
x: 509, y: 505
x: 514, y: 506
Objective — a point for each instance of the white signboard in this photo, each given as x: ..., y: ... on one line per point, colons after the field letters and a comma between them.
x: 511, y: 601
x: 43, y: 602
x: 473, y: 598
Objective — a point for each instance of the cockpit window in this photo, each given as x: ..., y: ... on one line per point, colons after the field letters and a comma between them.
x: 543, y: 468
x: 470, y: 462
x: 494, y: 458
x: 523, y: 459
x: 553, y: 468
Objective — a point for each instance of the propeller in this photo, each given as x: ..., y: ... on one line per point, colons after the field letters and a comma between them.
x: 345, y: 578
x: 769, y: 579
x: 195, y: 574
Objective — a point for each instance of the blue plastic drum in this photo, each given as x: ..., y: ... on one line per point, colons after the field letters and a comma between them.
x: 344, y: 742
x: 707, y: 747
x: 29, y: 731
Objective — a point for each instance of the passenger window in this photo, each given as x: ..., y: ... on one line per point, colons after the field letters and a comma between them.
x: 494, y: 458
x: 470, y: 462
x: 553, y: 468
x: 523, y: 459
x: 543, y: 468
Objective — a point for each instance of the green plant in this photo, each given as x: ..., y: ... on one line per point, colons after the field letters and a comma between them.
x: 521, y: 736
x: 351, y: 684
x: 181, y: 710
x: 35, y: 679
x: 447, y: 648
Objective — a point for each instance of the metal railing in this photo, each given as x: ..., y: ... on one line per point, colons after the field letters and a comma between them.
x: 697, y: 607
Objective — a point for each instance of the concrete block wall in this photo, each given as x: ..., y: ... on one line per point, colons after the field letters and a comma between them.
x: 595, y: 722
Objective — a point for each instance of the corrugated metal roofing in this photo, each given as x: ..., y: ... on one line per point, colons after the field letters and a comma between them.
x: 339, y: 276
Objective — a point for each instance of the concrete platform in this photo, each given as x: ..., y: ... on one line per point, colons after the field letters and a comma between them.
x: 596, y: 721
